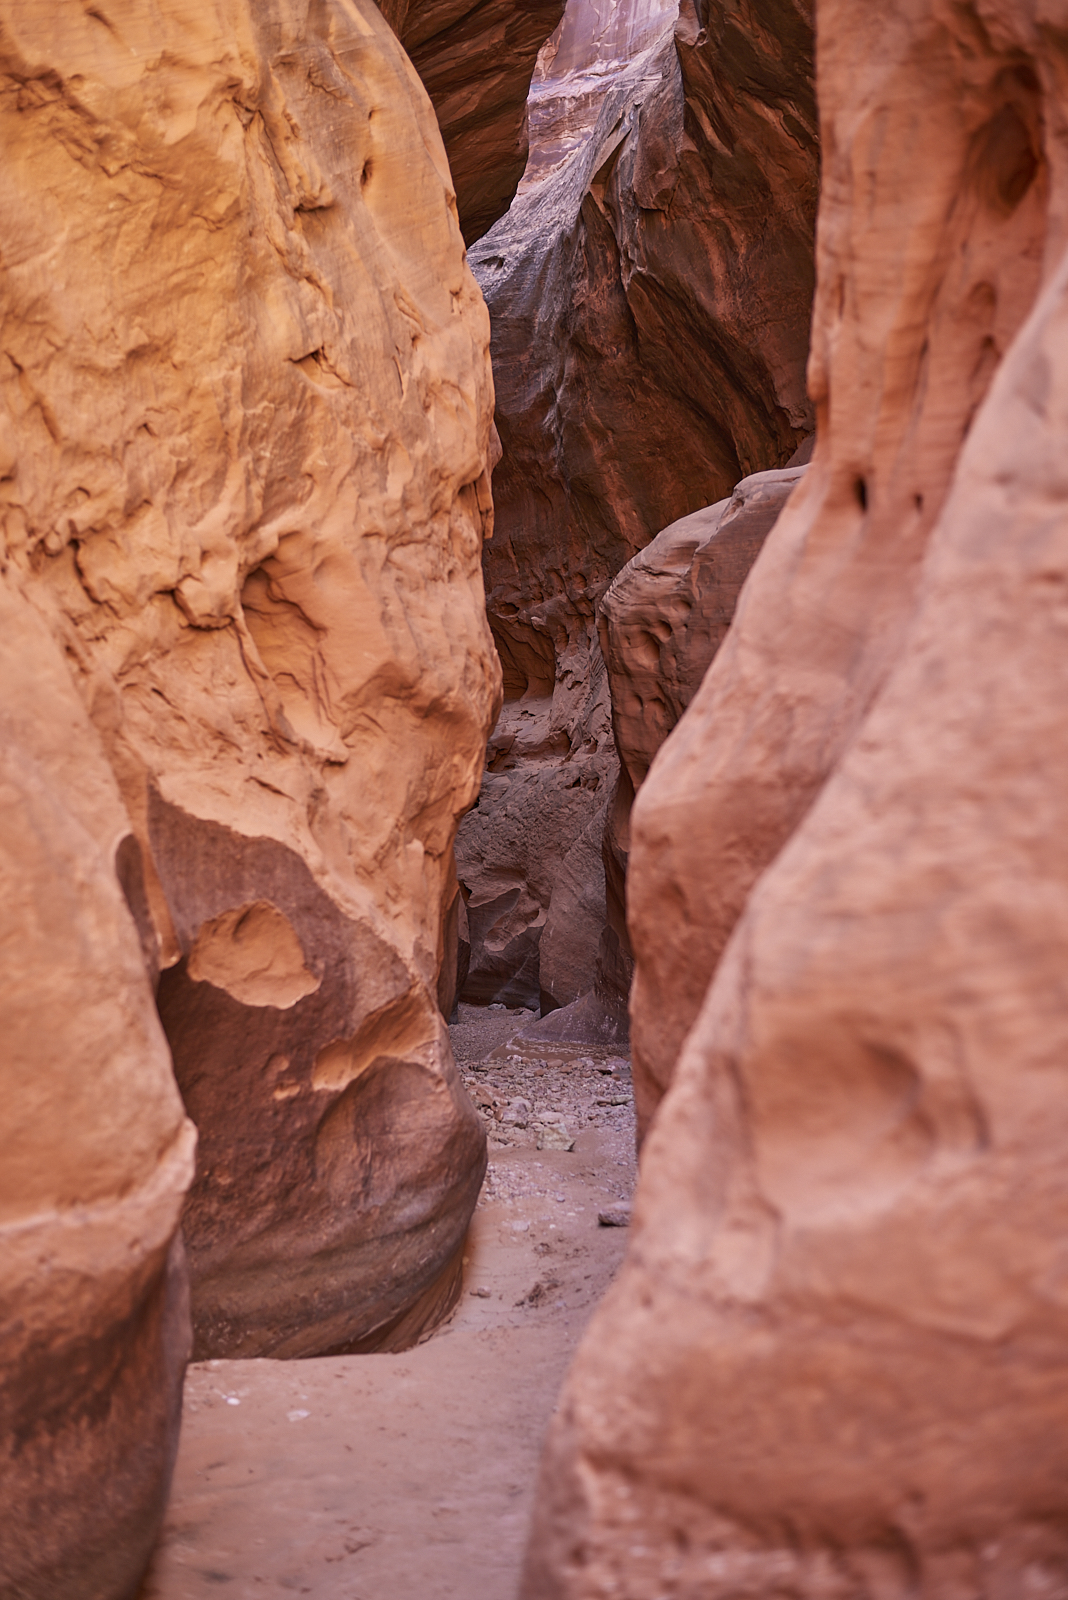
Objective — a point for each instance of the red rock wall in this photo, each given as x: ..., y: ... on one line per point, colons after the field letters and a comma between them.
x: 96, y: 1156
x: 933, y: 223
x: 246, y: 371
x: 833, y: 1364
x: 650, y: 305
x: 476, y: 61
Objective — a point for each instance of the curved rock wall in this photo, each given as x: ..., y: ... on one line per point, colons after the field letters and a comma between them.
x: 247, y: 478
x: 921, y: 290
x: 595, y: 41
x: 650, y: 305
x: 476, y: 61
x: 833, y: 1364
x: 96, y: 1156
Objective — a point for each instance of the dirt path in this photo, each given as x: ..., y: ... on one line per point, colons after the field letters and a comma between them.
x: 409, y: 1477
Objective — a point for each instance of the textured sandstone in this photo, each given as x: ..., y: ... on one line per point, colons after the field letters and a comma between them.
x: 247, y: 478
x: 650, y: 304
x: 850, y: 1254
x: 666, y: 615
x: 476, y: 61
x: 933, y: 225
x: 595, y: 41
x: 834, y: 1363
x: 660, y: 625
x: 95, y: 1158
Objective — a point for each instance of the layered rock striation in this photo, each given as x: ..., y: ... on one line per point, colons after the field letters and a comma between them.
x: 909, y: 326
x: 833, y: 1363
x: 594, y: 43
x: 650, y: 302
x: 246, y: 479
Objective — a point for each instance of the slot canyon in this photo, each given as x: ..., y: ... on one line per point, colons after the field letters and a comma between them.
x: 534, y: 562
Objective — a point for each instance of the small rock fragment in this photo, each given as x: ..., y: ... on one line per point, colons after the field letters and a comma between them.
x: 553, y: 1136
x: 614, y: 1217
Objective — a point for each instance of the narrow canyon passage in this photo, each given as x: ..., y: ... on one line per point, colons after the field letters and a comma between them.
x: 518, y: 646
x: 411, y: 1476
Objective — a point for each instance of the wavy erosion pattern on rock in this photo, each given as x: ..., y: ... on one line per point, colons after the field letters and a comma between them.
x: 650, y: 304
x: 246, y: 479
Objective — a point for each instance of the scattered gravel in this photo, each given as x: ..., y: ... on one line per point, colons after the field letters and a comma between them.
x: 542, y: 1097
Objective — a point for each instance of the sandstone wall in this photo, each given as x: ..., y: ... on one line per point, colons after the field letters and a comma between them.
x: 96, y: 1156
x: 476, y: 61
x: 650, y: 304
x: 247, y: 480
x: 594, y: 42
x: 833, y: 1364
x: 933, y: 224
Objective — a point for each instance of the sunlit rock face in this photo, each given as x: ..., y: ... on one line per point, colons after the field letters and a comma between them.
x: 247, y: 380
x: 96, y: 1155
x: 834, y: 1362
x: 650, y: 302
x: 594, y: 42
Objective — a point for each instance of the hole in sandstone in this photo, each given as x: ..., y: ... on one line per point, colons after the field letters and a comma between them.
x: 860, y: 489
x: 365, y: 175
x: 253, y: 953
x: 1007, y: 159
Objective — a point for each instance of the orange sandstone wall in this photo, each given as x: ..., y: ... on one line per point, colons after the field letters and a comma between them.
x: 834, y: 1362
x: 96, y: 1156
x: 936, y: 211
x: 248, y: 404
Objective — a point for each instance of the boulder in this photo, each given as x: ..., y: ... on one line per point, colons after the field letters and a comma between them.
x: 667, y: 613
x: 96, y: 1155
x: 909, y: 325
x: 650, y: 301
x: 250, y: 435
x: 660, y: 624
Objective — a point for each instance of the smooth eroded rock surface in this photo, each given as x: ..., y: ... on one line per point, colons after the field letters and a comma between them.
x: 928, y: 264
x: 650, y: 302
x: 849, y: 1254
x: 668, y: 612
x: 476, y: 61
x: 246, y: 477
x: 833, y: 1364
x: 96, y: 1156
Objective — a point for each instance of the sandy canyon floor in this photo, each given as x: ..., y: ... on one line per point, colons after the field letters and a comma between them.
x: 410, y: 1477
